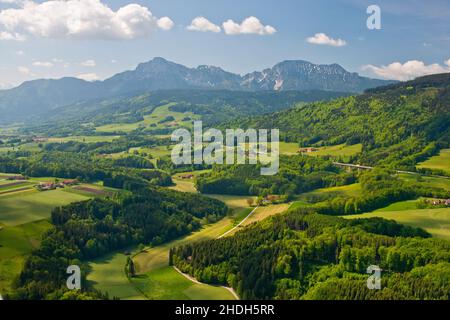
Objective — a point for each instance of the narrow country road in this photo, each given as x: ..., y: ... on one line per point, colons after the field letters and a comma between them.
x: 223, y: 235
x: 243, y: 220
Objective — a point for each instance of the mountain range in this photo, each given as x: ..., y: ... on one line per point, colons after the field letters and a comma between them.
x: 40, y: 96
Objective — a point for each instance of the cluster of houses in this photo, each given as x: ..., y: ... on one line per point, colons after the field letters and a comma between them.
x: 438, y: 202
x: 45, y: 186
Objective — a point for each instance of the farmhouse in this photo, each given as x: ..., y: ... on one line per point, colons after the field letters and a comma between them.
x: 44, y: 186
x: 438, y: 202
x: 70, y: 182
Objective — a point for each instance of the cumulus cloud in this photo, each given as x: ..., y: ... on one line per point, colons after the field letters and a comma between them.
x: 88, y: 76
x: 323, y: 39
x: 408, y: 70
x: 14, y: 36
x: 44, y: 64
x: 204, y: 25
x: 165, y: 23
x: 251, y: 25
x: 88, y: 63
x: 79, y: 19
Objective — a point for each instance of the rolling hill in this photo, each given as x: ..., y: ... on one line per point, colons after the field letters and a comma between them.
x: 400, y: 124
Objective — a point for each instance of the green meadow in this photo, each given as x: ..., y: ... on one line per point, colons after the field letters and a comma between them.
x: 341, y: 150
x: 435, y: 182
x: 108, y: 275
x: 435, y: 221
x: 440, y: 162
x: 154, y: 120
x: 15, y: 243
x: 167, y: 284
x: 351, y: 190
x: 289, y: 148
x: 16, y: 209
x: 85, y: 139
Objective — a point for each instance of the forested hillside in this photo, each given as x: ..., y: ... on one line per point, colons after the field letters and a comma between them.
x: 297, y: 174
x: 213, y: 106
x: 398, y: 125
x: 86, y: 230
x: 304, y: 255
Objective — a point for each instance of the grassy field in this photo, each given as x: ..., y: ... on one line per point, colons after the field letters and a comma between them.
x: 159, y: 281
x: 400, y: 206
x: 23, y: 219
x: 16, y: 209
x: 85, y: 139
x: 152, y: 263
x: 156, y: 280
x: 118, y: 127
x: 264, y: 212
x: 435, y: 221
x: 341, y: 150
x: 15, y: 243
x: 158, y: 257
x: 289, y: 148
x: 167, y: 284
x: 186, y: 185
x: 156, y: 152
x: 351, y: 190
x: 108, y: 275
x: 427, y: 181
x: 153, y: 121
x: 440, y: 162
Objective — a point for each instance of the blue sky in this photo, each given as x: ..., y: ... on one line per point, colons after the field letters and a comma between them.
x: 34, y: 43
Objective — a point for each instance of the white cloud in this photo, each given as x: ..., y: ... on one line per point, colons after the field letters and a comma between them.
x: 408, y: 70
x: 24, y: 70
x: 57, y: 60
x: 5, y: 35
x: 79, y: 19
x: 323, y: 39
x: 114, y: 61
x: 88, y: 63
x: 44, y: 64
x: 20, y: 53
x: 251, y: 25
x: 165, y: 23
x: 88, y: 76
x: 204, y: 25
